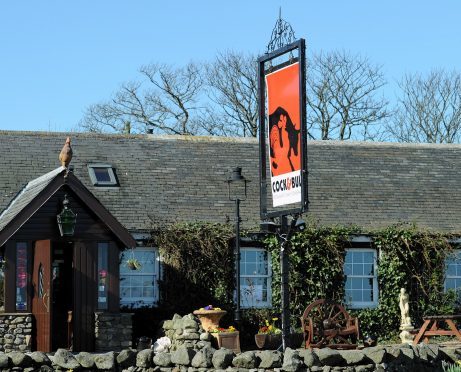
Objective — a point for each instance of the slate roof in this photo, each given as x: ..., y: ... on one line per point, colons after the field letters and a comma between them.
x: 174, y: 178
x: 26, y: 195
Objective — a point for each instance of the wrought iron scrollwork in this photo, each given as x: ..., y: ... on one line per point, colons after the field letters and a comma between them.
x: 282, y: 34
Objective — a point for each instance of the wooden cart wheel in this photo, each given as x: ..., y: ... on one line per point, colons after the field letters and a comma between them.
x: 327, y: 323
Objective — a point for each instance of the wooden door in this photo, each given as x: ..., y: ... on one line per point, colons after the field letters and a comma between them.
x: 41, y: 282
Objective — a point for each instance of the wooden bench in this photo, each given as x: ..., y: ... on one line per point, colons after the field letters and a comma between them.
x: 433, y: 326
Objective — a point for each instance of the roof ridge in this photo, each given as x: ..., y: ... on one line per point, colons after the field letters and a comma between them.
x: 50, y: 174
x: 202, y: 138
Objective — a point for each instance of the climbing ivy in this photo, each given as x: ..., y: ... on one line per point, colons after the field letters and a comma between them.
x: 415, y: 260
x: 197, y: 265
x: 409, y: 258
x: 316, y: 258
x: 199, y: 270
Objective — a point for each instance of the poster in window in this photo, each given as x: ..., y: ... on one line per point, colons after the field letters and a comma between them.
x: 284, y: 132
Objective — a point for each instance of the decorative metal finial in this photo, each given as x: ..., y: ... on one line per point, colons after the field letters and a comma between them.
x: 282, y: 34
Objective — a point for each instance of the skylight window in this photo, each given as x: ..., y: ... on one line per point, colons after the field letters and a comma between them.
x: 102, y: 175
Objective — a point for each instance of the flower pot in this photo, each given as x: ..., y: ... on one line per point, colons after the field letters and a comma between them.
x: 229, y: 340
x: 133, y: 265
x: 210, y: 318
x: 268, y: 341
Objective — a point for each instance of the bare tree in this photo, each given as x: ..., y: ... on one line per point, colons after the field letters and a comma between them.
x: 164, y: 102
x: 233, y: 88
x: 429, y: 109
x: 343, y: 97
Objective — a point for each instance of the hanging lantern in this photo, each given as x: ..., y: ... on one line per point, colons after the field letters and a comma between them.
x: 66, y: 219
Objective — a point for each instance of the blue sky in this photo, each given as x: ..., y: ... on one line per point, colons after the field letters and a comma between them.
x: 58, y: 57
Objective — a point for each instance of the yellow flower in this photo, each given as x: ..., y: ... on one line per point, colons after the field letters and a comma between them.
x: 270, y: 327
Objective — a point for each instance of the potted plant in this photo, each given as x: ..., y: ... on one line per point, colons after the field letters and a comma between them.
x: 133, y: 264
x: 228, y: 338
x: 269, y: 335
x: 209, y: 317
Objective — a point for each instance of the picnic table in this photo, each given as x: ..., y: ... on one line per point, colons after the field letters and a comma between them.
x: 434, y: 326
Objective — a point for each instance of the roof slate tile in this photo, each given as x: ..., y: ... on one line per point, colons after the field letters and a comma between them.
x: 175, y: 178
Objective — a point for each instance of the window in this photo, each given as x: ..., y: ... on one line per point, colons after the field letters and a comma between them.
x: 21, y: 276
x: 102, y: 175
x: 103, y: 263
x: 139, y: 287
x: 453, y: 271
x: 360, y: 269
x: 255, y: 283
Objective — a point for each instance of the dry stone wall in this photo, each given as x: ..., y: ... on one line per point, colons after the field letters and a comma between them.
x: 15, y: 332
x: 187, y: 331
x: 192, y: 350
x: 113, y: 331
x: 187, y: 359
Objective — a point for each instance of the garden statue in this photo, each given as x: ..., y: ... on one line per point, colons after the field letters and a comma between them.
x: 404, y: 308
x: 405, y: 323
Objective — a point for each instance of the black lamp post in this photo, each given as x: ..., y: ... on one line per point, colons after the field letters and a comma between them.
x: 237, y: 188
x: 66, y: 219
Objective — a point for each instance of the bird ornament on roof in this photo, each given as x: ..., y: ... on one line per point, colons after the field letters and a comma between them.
x: 65, y: 156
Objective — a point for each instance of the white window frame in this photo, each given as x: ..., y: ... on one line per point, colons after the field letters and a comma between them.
x: 110, y: 171
x: 457, y: 253
x: 364, y: 304
x: 135, y: 302
x: 268, y: 277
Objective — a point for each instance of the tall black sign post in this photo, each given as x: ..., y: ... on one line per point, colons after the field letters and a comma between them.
x: 282, y: 145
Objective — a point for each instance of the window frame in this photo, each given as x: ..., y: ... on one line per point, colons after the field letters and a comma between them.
x: 456, y: 252
x: 110, y: 170
x: 268, y: 277
x: 363, y: 304
x: 136, y: 302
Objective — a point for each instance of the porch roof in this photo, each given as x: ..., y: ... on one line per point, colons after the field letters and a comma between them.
x: 26, y: 195
x: 38, y: 191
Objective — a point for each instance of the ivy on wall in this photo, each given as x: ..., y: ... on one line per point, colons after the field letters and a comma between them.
x: 408, y: 258
x: 316, y: 258
x: 414, y: 260
x: 198, y: 265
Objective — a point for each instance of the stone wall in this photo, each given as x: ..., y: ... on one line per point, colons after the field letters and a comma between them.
x: 186, y: 331
x: 113, y: 331
x: 403, y: 358
x: 15, y: 332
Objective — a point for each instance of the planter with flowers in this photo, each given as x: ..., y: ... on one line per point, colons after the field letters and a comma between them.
x: 133, y: 264
x: 269, y: 336
x: 210, y: 316
x: 227, y: 337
